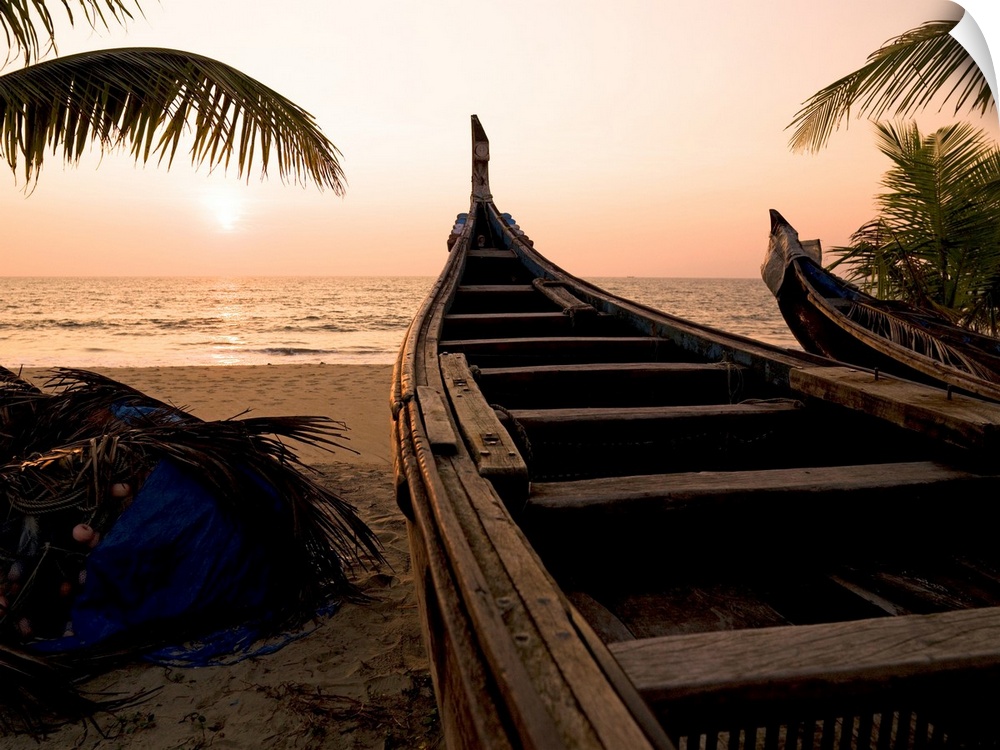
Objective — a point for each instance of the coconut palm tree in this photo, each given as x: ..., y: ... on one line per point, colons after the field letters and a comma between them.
x: 145, y: 99
x: 936, y: 240
x: 901, y: 77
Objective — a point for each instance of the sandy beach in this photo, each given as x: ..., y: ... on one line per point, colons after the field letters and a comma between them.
x: 360, y: 679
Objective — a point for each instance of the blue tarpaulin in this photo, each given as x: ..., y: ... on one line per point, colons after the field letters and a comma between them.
x: 177, y: 555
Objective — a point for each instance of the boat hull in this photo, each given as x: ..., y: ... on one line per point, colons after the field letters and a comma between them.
x: 630, y: 530
x: 830, y: 317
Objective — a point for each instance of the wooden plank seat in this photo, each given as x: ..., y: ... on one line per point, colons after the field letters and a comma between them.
x: 506, y: 290
x: 607, y: 417
x: 492, y: 265
x: 603, y: 441
x: 523, y: 324
x: 559, y: 349
x: 772, y: 491
x: 945, y: 664
x: 614, y: 384
x: 615, y: 523
x: 962, y: 421
x: 471, y: 298
x: 491, y: 253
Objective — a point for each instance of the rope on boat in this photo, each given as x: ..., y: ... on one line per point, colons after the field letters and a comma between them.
x: 521, y: 438
x: 733, y: 372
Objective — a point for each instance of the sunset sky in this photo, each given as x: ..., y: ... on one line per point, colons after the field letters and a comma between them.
x: 640, y: 137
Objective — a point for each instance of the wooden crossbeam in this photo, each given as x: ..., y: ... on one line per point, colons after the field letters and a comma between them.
x: 554, y: 349
x: 495, y: 325
x: 960, y: 420
x: 699, y: 415
x: 772, y: 491
x: 498, y: 289
x: 494, y: 452
x: 499, y: 298
x: 492, y: 253
x: 825, y: 660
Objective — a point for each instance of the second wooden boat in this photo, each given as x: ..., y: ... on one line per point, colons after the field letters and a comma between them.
x: 829, y: 316
x: 629, y: 530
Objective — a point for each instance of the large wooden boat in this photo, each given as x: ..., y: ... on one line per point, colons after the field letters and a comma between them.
x: 832, y: 317
x: 630, y: 531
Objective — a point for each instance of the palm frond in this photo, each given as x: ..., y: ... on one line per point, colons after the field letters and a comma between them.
x: 896, y: 327
x: 36, y: 694
x: 904, y: 76
x: 147, y: 99
x: 935, y: 242
x: 21, y: 20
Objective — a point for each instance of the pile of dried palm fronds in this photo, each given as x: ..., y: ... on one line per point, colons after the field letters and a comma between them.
x: 72, y: 460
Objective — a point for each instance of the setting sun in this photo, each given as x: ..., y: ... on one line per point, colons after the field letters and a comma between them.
x: 223, y: 207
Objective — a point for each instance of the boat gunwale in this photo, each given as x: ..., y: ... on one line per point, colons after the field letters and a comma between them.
x: 417, y: 366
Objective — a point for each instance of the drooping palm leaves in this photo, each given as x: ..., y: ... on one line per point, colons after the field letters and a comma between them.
x: 21, y: 19
x: 145, y: 100
x: 936, y: 240
x: 923, y: 335
x: 148, y: 98
x: 901, y: 77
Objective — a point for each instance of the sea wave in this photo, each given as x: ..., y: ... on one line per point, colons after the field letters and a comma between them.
x: 109, y: 322
x: 289, y: 351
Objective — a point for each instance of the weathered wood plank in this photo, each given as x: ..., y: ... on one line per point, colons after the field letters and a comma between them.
x: 524, y: 324
x: 440, y: 433
x: 526, y: 675
x: 606, y: 416
x: 578, y: 443
x: 456, y: 660
x: 960, y: 420
x: 492, y: 253
x: 557, y: 292
x: 506, y: 290
x: 624, y: 525
x: 828, y: 660
x: 488, y: 320
x: 544, y: 630
x: 496, y: 298
x: 492, y: 449
x: 772, y: 491
x: 559, y: 349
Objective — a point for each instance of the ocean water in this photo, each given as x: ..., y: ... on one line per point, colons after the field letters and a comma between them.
x: 142, y: 322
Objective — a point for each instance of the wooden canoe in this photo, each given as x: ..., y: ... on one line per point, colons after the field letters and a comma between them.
x: 632, y: 531
x: 832, y: 317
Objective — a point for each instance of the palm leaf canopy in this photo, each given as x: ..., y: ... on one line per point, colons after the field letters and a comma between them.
x: 904, y: 76
x: 147, y: 98
x: 21, y: 19
x: 936, y: 240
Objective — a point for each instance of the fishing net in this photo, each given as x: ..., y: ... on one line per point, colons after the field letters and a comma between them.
x: 130, y: 525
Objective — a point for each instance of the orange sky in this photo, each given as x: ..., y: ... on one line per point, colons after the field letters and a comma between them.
x: 632, y: 138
